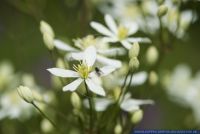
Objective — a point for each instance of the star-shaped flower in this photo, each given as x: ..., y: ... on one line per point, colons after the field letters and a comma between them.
x: 83, y: 72
x: 120, y: 33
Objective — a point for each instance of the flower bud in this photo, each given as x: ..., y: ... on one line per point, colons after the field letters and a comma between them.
x: 162, y: 10
x: 137, y: 116
x: 75, y: 100
x: 116, y: 92
x: 152, y: 55
x: 26, y: 94
x: 48, y: 41
x: 60, y: 63
x: 45, y: 28
x: 153, y: 78
x: 134, y: 51
x: 46, y: 126
x: 134, y: 63
x: 118, y: 129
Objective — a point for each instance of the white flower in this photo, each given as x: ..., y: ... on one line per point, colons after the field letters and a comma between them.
x: 99, y: 45
x: 83, y: 72
x: 128, y: 104
x: 119, y: 33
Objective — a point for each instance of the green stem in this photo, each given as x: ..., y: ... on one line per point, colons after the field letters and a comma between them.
x: 90, y: 100
x: 45, y: 116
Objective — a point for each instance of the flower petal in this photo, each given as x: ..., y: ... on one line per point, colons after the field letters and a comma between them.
x: 73, y: 85
x: 101, y: 29
x: 144, y: 40
x: 95, y: 88
x: 110, y: 62
x: 76, y: 55
x: 111, y: 23
x: 63, y: 46
x: 133, y: 28
x: 138, y: 78
x: 62, y: 72
x: 126, y: 44
x: 112, y: 51
x: 110, y: 39
x: 128, y: 106
x: 90, y: 55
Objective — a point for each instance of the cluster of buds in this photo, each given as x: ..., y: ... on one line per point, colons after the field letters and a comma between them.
x: 133, y: 55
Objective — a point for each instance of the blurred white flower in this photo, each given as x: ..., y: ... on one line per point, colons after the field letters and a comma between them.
x: 120, y: 33
x: 83, y: 73
x: 185, y: 89
x: 101, y: 47
x: 128, y: 104
x: 12, y: 106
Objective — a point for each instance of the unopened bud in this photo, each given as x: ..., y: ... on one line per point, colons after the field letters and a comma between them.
x: 118, y: 129
x: 46, y: 126
x: 60, y: 63
x: 75, y: 100
x: 134, y: 63
x: 134, y: 51
x: 152, y: 55
x: 162, y: 10
x: 153, y: 78
x: 48, y: 41
x: 45, y: 28
x: 137, y: 116
x: 26, y: 94
x: 116, y: 92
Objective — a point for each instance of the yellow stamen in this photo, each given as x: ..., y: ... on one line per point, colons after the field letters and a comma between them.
x: 122, y: 32
x: 83, y: 69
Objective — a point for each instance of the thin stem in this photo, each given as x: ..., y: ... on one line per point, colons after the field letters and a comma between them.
x: 90, y: 100
x: 44, y: 115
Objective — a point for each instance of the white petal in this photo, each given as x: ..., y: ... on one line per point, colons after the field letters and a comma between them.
x: 138, y: 78
x: 100, y: 104
x: 144, y: 40
x: 126, y: 44
x: 101, y: 29
x: 129, y: 107
x: 63, y: 46
x: 110, y: 39
x: 112, y: 51
x: 110, y: 62
x: 139, y: 102
x: 77, y: 56
x: 73, y: 85
x: 90, y: 55
x: 111, y: 23
x: 133, y: 28
x: 95, y: 88
x: 62, y: 72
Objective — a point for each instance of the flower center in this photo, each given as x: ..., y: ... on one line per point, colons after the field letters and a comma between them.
x: 86, y: 41
x: 122, y: 32
x: 83, y: 69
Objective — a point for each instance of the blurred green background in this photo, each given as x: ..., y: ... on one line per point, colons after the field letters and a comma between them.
x: 21, y: 43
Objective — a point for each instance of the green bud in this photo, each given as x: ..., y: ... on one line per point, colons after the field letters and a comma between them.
x: 45, y: 28
x: 60, y: 63
x: 137, y: 116
x: 162, y: 10
x: 48, y: 41
x: 152, y: 55
x: 75, y: 100
x: 118, y: 129
x: 46, y: 126
x: 134, y: 63
x: 26, y: 94
x: 153, y: 78
x: 134, y: 51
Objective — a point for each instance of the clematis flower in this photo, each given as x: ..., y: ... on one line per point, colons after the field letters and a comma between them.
x: 128, y: 104
x: 120, y: 33
x: 101, y: 47
x: 83, y: 73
